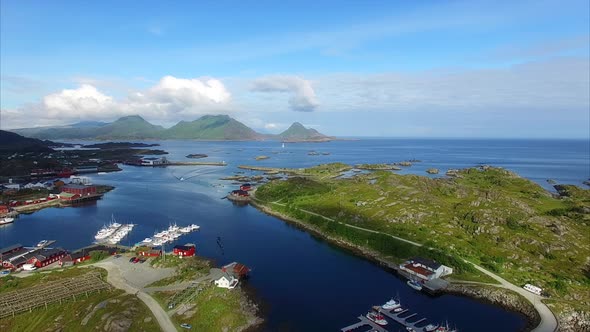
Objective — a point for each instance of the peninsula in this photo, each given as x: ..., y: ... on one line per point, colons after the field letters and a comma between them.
x: 487, y: 223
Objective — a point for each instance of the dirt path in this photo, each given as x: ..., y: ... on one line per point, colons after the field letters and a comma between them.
x: 116, y: 279
x: 548, y: 321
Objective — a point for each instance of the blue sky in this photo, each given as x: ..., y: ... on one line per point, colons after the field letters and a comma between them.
x: 362, y: 68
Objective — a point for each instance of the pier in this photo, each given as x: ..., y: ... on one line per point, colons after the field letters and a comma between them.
x: 364, y: 321
x: 404, y: 321
x: 395, y: 316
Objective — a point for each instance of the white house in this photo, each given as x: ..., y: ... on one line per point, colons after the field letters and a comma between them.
x: 227, y: 281
x: 153, y: 161
x: 426, y: 269
x: 84, y: 180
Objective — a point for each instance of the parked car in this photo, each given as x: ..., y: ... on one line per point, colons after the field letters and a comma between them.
x: 132, y: 259
x: 117, y: 256
x: 4, y: 272
x: 186, y: 326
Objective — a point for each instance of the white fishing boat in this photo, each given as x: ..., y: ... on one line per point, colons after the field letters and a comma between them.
x: 147, y: 240
x: 414, y: 284
x: 391, y: 304
x: 430, y: 327
x: 6, y: 220
x: 376, y: 317
x: 42, y: 243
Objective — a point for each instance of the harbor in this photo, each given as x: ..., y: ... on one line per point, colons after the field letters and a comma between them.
x: 376, y: 321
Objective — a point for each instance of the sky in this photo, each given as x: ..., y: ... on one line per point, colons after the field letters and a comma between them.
x: 346, y: 68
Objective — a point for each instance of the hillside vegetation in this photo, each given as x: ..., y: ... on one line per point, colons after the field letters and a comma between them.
x: 490, y: 216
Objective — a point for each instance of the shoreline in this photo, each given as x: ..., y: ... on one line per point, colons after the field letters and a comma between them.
x: 373, y: 257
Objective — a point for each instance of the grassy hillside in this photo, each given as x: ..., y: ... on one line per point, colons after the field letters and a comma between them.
x: 490, y: 216
x: 298, y: 132
x: 11, y: 142
x: 214, y: 127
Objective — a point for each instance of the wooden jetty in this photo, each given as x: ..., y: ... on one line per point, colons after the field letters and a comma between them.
x: 364, y: 321
x: 395, y: 316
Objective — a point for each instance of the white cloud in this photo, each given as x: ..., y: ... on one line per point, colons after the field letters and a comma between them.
x: 303, y: 97
x: 169, y: 99
x: 85, y: 101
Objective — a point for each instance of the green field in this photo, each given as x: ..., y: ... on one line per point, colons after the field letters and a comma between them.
x: 106, y: 310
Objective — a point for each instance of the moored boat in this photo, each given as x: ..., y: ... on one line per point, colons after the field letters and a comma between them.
x: 376, y: 317
x: 391, y: 304
x: 6, y: 220
x: 430, y: 327
x: 415, y: 285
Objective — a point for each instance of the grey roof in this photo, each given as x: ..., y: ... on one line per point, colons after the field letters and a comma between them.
x: 10, y: 248
x: 426, y: 262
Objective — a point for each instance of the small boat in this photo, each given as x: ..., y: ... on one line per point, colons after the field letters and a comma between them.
x: 42, y: 243
x: 409, y: 329
x: 391, y: 304
x: 415, y: 285
x: 445, y: 328
x: 376, y: 317
x: 6, y: 220
x: 430, y: 327
x: 398, y: 309
x: 147, y: 240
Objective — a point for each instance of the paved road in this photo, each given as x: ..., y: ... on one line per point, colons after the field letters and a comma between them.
x: 115, y: 278
x: 548, y: 321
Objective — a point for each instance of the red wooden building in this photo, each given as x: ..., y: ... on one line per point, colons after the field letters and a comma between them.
x: 78, y: 189
x: 150, y: 252
x: 4, y: 209
x: 236, y: 269
x: 45, y: 257
x: 246, y: 187
x: 183, y: 251
x: 240, y: 193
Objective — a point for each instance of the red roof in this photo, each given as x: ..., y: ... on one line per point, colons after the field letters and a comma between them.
x: 418, y: 270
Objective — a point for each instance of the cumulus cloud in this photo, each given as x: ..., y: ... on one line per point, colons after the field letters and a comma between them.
x: 302, y: 96
x: 170, y: 98
x: 85, y: 101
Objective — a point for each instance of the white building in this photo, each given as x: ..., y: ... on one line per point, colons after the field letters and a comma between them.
x: 425, y: 269
x: 153, y: 161
x: 533, y: 289
x: 83, y: 180
x: 226, y: 281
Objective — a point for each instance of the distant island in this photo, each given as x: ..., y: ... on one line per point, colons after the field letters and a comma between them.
x: 208, y: 127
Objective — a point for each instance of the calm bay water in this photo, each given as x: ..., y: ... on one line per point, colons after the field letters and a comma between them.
x: 306, y: 283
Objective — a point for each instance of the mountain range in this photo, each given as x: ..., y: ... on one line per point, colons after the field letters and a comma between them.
x: 208, y: 127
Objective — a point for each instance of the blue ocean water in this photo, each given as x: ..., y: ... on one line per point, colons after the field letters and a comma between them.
x: 305, y: 283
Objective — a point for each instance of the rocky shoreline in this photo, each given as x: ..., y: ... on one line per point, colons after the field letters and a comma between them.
x: 491, y: 294
x: 501, y: 297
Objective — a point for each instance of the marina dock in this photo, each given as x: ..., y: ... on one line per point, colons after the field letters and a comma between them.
x: 364, y: 321
x: 401, y: 318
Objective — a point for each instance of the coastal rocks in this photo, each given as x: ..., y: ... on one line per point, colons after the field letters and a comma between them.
x: 403, y: 163
x: 262, y: 157
x: 498, y: 296
x: 452, y: 172
x: 432, y: 171
x: 378, y: 167
x: 574, y: 321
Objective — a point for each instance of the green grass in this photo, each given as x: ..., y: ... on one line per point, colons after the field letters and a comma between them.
x: 215, y: 309
x: 508, y: 224
x: 187, y: 269
x: 68, y: 315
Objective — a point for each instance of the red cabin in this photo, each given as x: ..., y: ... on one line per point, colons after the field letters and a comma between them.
x: 79, y: 189
x: 150, y: 253
x: 246, y: 187
x: 188, y: 250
